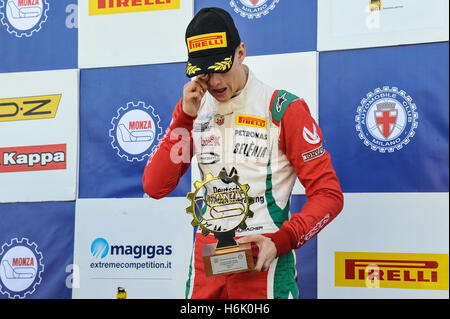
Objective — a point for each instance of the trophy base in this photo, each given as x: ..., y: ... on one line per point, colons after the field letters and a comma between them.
x: 227, y: 260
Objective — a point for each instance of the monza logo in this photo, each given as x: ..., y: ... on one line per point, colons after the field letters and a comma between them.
x: 23, y: 17
x: 33, y: 158
x: 101, y: 7
x: 391, y: 270
x: 29, y: 108
x: 21, y: 267
x: 386, y: 119
x: 135, y: 131
x: 253, y: 8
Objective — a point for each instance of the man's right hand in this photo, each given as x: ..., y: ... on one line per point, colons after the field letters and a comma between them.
x: 192, y: 96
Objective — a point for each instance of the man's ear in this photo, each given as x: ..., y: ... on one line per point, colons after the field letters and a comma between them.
x: 240, y: 52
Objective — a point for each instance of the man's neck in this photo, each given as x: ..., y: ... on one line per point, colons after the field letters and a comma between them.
x: 245, y: 71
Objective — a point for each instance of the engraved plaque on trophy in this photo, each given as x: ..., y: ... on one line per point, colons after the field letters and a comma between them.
x: 221, y: 211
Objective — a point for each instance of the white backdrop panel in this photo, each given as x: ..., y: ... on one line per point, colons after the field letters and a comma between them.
x: 385, y: 223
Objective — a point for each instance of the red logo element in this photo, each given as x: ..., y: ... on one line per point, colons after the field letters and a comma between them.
x: 33, y: 158
x: 386, y: 118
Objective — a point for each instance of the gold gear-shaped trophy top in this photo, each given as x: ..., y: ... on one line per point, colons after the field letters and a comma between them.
x: 238, y: 196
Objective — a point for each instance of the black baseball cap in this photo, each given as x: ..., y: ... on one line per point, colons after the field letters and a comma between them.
x: 211, y: 39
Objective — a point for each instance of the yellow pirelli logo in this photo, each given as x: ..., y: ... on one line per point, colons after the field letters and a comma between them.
x: 100, y: 7
x: 29, y: 108
x: 391, y: 270
x: 249, y: 120
x: 207, y: 41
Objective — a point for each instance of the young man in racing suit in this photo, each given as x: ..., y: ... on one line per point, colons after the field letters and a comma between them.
x: 230, y: 120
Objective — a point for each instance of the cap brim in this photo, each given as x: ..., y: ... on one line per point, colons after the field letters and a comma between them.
x: 219, y: 63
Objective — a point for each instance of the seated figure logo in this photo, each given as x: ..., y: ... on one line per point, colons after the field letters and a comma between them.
x: 386, y: 119
x: 135, y: 131
x: 23, y: 17
x: 21, y: 268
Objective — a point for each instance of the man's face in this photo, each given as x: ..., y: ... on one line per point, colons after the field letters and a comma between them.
x: 224, y: 85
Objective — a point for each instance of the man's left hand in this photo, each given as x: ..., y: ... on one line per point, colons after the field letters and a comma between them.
x: 267, y: 250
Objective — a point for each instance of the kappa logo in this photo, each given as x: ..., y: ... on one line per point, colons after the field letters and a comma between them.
x: 386, y: 119
x: 311, y: 137
x: 21, y: 267
x: 23, y: 17
x: 33, y: 158
x: 253, y: 8
x: 135, y: 131
x: 101, y: 7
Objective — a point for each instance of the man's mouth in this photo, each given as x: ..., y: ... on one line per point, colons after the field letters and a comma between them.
x: 220, y: 91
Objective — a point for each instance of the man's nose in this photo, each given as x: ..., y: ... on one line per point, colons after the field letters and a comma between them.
x: 214, y: 80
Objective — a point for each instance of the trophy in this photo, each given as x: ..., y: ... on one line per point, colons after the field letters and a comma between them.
x: 225, y: 208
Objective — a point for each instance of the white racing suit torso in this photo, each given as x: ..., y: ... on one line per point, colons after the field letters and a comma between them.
x: 240, y: 137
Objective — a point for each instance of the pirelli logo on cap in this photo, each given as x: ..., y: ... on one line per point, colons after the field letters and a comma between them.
x: 249, y: 120
x: 100, y: 7
x: 391, y: 270
x: 29, y: 108
x: 207, y: 41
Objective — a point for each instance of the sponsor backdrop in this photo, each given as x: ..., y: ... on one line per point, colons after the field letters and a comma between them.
x: 87, y: 89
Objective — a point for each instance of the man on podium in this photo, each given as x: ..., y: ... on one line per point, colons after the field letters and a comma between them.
x: 229, y: 120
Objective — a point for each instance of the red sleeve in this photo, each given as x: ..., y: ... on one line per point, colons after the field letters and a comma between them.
x: 172, y: 157
x: 301, y: 141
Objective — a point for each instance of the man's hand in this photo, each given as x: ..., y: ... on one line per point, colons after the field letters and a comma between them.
x: 192, y: 95
x: 267, y: 250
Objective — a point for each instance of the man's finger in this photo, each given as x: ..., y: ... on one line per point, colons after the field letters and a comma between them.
x: 249, y: 239
x: 202, y: 83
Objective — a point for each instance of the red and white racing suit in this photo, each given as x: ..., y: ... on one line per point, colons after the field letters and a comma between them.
x: 268, y: 137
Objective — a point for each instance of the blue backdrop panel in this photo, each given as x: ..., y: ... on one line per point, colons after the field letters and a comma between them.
x: 123, y: 113
x: 406, y: 76
x: 36, y: 243
x: 290, y: 26
x: 306, y: 258
x: 45, y: 40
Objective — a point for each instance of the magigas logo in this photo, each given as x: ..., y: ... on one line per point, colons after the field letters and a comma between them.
x: 23, y: 17
x: 135, y: 131
x: 386, y: 119
x: 100, y: 248
x: 253, y: 8
x: 21, y: 268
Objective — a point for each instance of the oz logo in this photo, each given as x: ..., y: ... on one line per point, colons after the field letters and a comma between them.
x: 21, y: 268
x: 253, y: 8
x: 135, y: 131
x: 23, y: 17
x: 386, y: 119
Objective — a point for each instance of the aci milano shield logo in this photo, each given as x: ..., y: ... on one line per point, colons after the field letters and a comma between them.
x: 386, y: 119
x: 23, y: 17
x: 99, y: 248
